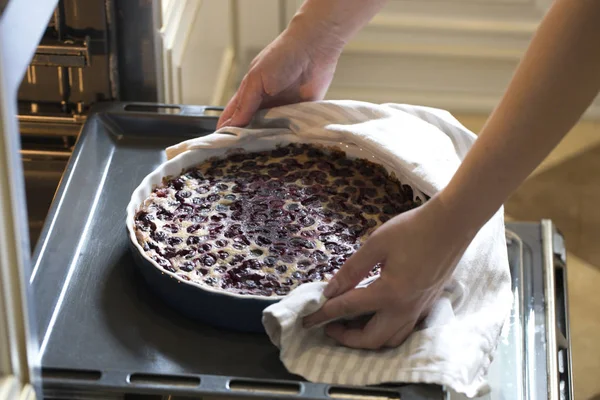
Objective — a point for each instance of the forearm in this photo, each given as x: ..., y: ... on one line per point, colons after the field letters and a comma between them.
x: 333, y: 22
x: 556, y: 81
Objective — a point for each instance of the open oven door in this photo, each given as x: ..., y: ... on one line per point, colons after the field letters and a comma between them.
x: 21, y: 27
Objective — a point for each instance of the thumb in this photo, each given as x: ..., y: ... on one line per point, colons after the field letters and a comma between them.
x: 355, y: 268
x: 249, y: 100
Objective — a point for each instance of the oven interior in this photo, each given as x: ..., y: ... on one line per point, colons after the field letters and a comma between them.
x: 90, y: 53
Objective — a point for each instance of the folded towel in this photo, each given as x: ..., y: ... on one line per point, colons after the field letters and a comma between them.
x: 454, y: 345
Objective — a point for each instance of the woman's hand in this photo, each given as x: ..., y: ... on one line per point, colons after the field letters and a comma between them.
x: 419, y: 250
x: 299, y: 65
x: 289, y: 70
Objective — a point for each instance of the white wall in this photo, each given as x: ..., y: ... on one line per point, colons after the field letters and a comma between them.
x: 454, y: 54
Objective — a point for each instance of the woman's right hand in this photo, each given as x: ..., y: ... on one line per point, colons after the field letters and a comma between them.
x: 295, y: 67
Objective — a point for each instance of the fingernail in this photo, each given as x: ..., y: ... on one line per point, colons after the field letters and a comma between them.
x: 331, y: 289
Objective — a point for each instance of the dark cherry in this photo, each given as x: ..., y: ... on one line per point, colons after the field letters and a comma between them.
x: 310, y: 201
x: 187, y: 253
x: 238, y: 258
x: 203, y: 189
x: 307, y: 234
x: 248, y: 165
x: 276, y: 203
x: 319, y: 256
x: 281, y: 268
x: 165, y: 264
x: 388, y: 209
x: 164, y: 215
x: 209, y: 260
x: 315, y: 276
x: 222, y: 186
x: 221, y: 243
x: 306, y: 221
x: 193, y: 228
x: 185, y: 209
x: 146, y: 226
x: 206, y: 247
x: 192, y: 240
x: 174, y: 241
x: 276, y: 173
x: 356, y: 230
x: 186, y: 266
x: 270, y: 261
x: 302, y: 243
x: 223, y: 254
x: 263, y: 241
x: 182, y: 195
x: 384, y: 218
x: 251, y: 264
x: 158, y: 236
x: 199, y: 200
x: 259, y: 217
x: 213, y: 197
x: 144, y: 216
x: 292, y: 228
x: 198, y: 218
x: 170, y: 253
x: 177, y: 184
x: 280, y: 152
x: 210, y: 281
x: 257, y: 252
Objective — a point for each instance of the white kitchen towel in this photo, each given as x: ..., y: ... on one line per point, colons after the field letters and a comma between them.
x: 454, y: 346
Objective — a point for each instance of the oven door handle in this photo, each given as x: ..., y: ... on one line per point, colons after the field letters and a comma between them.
x: 558, y: 339
x: 180, y: 110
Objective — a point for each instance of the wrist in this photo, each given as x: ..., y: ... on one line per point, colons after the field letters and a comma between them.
x: 322, y: 41
x: 454, y: 216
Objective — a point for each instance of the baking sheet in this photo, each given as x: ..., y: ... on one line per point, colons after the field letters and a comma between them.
x: 103, y: 330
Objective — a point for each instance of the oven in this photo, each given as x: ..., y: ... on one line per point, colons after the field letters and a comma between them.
x: 91, y: 51
x: 96, y: 69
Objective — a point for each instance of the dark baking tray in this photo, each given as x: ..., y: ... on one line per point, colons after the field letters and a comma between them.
x: 102, y: 330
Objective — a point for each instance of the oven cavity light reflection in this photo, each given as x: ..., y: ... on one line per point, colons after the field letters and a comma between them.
x: 76, y: 255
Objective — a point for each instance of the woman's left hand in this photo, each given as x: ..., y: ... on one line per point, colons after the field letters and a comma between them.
x: 418, y: 251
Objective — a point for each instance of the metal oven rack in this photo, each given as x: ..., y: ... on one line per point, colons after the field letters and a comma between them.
x: 102, y: 331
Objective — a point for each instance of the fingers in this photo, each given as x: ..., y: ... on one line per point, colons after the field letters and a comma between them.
x: 355, y: 268
x: 399, y: 337
x: 351, y: 304
x: 376, y: 334
x: 245, y: 103
x: 228, y: 111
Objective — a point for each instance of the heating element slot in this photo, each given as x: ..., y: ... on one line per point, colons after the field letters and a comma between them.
x: 362, y: 394
x: 172, y: 380
x: 264, y: 387
x: 61, y: 373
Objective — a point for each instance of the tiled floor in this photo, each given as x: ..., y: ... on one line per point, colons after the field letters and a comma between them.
x: 566, y: 189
